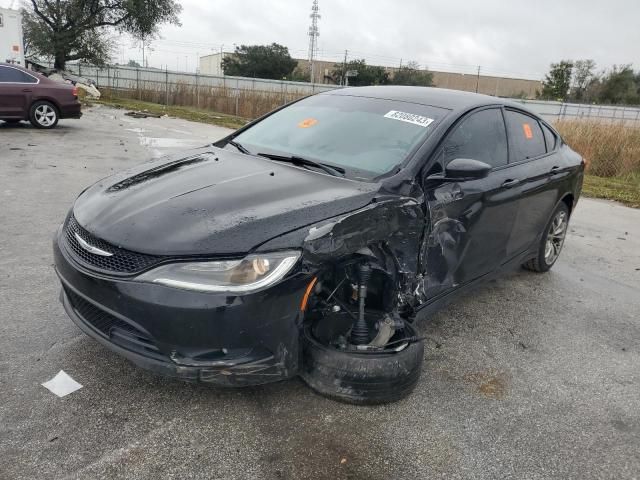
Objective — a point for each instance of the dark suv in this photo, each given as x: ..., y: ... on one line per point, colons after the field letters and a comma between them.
x: 26, y: 95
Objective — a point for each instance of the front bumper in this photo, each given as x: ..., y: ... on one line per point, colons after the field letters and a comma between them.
x: 226, y: 340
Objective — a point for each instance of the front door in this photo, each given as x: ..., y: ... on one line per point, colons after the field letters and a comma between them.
x: 470, y: 221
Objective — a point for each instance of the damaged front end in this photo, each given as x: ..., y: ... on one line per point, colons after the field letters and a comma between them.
x: 357, y: 328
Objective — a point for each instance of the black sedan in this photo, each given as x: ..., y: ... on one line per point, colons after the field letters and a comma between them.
x: 308, y: 242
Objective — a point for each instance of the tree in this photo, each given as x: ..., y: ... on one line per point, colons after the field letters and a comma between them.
x: 133, y: 63
x: 583, y: 77
x: 620, y: 86
x: 366, y: 74
x: 410, y: 74
x: 557, y: 83
x: 260, y: 61
x: 79, y: 29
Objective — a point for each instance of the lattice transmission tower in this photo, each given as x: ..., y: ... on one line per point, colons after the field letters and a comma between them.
x: 313, y: 39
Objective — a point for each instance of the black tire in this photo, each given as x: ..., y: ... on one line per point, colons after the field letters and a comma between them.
x: 361, y: 378
x: 540, y: 263
x: 43, y: 114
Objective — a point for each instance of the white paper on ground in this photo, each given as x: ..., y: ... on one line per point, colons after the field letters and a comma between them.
x: 62, y: 384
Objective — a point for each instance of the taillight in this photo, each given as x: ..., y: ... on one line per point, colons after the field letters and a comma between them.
x: 75, y: 91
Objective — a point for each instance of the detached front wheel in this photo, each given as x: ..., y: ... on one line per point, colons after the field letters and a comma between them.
x: 363, y: 377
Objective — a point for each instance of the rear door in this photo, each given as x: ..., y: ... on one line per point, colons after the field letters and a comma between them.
x: 16, y: 90
x: 471, y: 220
x: 534, y: 162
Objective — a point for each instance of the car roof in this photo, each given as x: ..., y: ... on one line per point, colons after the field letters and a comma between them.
x: 454, y: 100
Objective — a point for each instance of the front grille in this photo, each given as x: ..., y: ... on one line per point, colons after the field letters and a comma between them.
x: 115, y: 329
x: 121, y: 262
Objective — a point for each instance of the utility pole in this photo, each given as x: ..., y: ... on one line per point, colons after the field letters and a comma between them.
x: 478, y: 79
x: 344, y: 68
x: 313, y: 39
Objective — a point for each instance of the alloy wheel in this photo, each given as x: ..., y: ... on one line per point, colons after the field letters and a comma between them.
x: 555, y: 237
x: 45, y: 115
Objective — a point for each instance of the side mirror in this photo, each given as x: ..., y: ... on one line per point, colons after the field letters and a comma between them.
x: 466, y: 169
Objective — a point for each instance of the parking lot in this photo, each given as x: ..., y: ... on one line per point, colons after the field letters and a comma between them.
x: 531, y: 376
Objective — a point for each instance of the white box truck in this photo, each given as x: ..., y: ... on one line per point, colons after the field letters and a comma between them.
x: 11, y: 44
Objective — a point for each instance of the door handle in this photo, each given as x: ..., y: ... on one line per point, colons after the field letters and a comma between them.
x: 510, y: 183
x: 555, y: 169
x: 27, y: 90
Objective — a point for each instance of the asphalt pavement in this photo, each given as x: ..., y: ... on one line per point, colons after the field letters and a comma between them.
x: 531, y: 376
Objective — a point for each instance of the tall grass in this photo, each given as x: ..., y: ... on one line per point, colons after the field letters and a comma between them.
x: 609, y: 150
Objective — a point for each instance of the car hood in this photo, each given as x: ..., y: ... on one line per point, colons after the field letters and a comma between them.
x: 212, y: 202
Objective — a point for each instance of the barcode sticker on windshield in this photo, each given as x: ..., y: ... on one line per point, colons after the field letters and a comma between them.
x: 410, y: 118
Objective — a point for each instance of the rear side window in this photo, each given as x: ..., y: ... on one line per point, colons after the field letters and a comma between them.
x: 549, y: 137
x: 481, y: 136
x: 13, y: 75
x: 525, y: 136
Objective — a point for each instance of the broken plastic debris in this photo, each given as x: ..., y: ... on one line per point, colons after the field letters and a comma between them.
x: 62, y: 384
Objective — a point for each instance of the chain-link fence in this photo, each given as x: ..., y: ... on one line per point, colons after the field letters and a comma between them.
x: 244, y: 97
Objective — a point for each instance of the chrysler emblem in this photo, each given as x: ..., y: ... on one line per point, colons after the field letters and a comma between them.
x: 91, y: 249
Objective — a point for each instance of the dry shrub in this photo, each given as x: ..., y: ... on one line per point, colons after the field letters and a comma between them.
x: 610, y: 150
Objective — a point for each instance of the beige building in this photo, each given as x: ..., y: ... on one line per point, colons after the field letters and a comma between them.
x: 212, y: 64
x: 497, y: 86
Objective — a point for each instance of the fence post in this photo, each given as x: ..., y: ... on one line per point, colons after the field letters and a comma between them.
x: 166, y: 85
x: 109, y: 82
x: 79, y: 69
x: 197, y: 90
x: 138, y: 83
x: 237, y: 95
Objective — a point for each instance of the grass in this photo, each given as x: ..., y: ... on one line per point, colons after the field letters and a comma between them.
x: 625, y: 190
x: 612, y: 154
x: 186, y: 113
x: 609, y: 149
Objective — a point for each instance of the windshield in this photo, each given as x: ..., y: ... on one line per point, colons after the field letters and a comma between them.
x: 366, y: 136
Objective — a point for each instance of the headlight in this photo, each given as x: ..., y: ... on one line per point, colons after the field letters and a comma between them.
x: 252, y: 273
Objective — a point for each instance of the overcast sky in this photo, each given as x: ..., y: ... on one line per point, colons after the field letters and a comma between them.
x: 505, y: 37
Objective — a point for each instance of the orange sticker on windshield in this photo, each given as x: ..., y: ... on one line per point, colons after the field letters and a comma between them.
x: 307, y: 123
x: 528, y: 133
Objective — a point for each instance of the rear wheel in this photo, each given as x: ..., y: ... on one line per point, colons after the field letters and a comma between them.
x: 43, y: 114
x: 552, y: 241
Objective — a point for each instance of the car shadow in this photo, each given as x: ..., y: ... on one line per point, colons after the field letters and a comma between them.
x: 25, y: 125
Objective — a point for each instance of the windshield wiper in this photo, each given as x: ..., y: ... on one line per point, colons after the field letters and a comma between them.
x: 239, y: 147
x: 295, y: 160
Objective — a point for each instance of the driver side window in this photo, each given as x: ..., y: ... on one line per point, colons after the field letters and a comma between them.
x: 481, y: 136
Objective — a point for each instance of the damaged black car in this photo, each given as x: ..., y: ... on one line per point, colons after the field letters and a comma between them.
x: 309, y: 242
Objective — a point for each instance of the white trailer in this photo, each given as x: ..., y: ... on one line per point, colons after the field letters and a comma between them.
x: 11, y: 44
